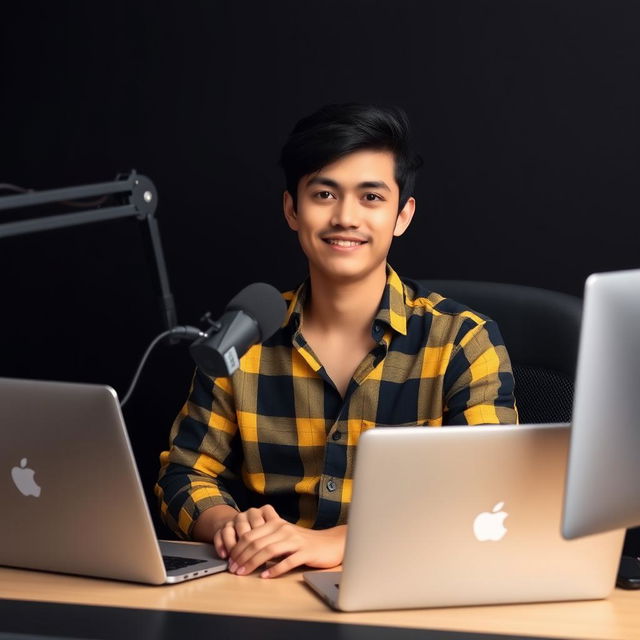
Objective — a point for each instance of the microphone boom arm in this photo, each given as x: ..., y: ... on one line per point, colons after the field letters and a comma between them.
x: 140, y: 199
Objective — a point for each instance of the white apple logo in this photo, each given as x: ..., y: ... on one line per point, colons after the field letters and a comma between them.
x: 23, y: 479
x: 489, y: 526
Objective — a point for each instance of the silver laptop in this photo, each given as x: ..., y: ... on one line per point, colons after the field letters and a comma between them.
x: 71, y: 494
x: 464, y: 516
x: 602, y: 490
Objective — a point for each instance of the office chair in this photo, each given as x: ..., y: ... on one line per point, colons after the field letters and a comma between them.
x: 541, y: 330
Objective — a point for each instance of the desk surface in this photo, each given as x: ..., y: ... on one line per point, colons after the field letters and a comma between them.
x: 616, y: 618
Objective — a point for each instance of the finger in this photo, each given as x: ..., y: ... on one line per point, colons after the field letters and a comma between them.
x: 255, y: 518
x: 219, y: 544
x: 269, y: 513
x: 241, y: 523
x: 290, y: 562
x: 228, y: 536
x: 265, y: 549
x: 252, y: 537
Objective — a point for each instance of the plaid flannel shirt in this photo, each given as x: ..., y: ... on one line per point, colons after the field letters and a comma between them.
x: 278, y: 432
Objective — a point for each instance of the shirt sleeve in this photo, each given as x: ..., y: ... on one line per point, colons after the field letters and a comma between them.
x: 204, y: 455
x: 479, y: 382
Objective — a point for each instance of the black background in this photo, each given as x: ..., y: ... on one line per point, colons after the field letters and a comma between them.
x: 526, y: 114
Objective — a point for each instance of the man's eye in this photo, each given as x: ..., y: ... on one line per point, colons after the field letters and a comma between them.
x: 323, y: 195
x: 372, y: 197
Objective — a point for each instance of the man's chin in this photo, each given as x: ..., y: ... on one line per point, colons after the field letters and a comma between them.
x: 348, y: 273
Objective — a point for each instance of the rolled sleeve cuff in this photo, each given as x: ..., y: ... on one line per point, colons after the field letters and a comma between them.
x: 181, y: 512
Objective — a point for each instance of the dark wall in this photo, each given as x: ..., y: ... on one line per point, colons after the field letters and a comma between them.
x: 526, y: 114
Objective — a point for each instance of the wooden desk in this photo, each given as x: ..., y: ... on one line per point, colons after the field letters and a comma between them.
x: 616, y: 618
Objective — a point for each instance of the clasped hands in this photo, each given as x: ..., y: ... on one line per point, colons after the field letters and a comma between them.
x: 256, y: 536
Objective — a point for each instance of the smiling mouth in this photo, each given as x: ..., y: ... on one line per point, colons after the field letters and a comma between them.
x: 344, y: 243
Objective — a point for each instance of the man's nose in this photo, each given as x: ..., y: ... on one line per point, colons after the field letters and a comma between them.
x: 346, y: 213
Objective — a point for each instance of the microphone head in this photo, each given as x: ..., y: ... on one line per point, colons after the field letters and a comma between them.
x: 264, y: 303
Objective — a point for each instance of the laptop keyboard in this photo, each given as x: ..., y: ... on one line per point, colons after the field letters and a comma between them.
x: 171, y: 563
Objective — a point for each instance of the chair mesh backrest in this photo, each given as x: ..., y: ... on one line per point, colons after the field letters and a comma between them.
x: 540, y: 329
x: 542, y: 395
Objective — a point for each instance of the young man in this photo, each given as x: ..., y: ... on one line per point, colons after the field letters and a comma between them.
x: 261, y: 463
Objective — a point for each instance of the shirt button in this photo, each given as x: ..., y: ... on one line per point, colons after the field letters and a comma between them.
x: 331, y: 485
x: 336, y: 435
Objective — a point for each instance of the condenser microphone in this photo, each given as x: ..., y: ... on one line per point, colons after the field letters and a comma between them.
x: 252, y: 316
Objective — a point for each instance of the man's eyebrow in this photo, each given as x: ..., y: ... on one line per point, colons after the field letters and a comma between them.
x: 328, y: 182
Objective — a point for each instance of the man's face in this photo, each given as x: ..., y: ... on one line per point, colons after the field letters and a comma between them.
x: 347, y: 214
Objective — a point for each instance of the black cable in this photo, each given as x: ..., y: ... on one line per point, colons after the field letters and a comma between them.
x: 5, y: 186
x: 182, y: 332
x: 80, y: 204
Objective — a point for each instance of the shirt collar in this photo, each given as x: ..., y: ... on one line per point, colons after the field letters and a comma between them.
x: 392, y: 310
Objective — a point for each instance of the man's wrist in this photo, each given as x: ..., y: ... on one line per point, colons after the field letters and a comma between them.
x: 337, y: 538
x: 210, y: 520
x: 339, y: 531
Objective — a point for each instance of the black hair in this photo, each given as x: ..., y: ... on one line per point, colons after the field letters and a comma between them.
x: 336, y: 130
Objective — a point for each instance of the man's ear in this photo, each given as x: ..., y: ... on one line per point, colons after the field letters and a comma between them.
x: 404, y: 217
x: 290, y: 214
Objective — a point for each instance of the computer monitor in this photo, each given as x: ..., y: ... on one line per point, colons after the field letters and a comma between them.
x: 602, y: 490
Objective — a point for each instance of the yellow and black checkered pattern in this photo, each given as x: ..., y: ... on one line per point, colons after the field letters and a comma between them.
x: 278, y: 432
